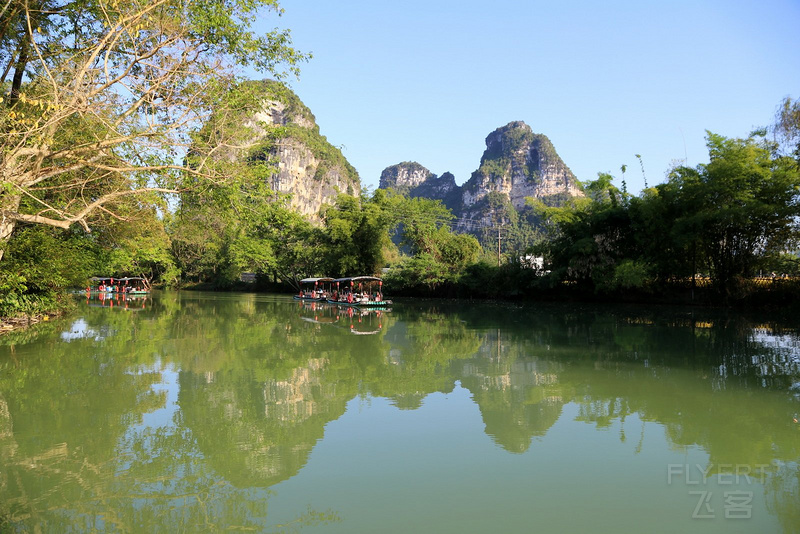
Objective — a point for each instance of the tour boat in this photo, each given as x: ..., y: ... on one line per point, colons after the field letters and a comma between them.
x: 360, y: 291
x: 129, y: 285
x: 316, y: 293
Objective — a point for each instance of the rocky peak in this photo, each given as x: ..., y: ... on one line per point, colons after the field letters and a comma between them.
x: 508, y: 139
x: 404, y: 176
x: 447, y: 181
x: 308, y: 167
x: 516, y: 164
x: 520, y: 164
x: 279, y: 114
x: 414, y: 180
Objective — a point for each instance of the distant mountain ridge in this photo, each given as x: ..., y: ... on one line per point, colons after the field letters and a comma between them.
x: 516, y: 164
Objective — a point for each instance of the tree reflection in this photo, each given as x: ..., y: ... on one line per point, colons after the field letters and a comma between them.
x: 258, y: 379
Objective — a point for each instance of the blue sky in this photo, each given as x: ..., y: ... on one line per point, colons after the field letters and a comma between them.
x: 428, y: 80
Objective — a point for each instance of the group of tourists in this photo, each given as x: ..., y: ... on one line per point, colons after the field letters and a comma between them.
x: 118, y: 288
x: 351, y: 297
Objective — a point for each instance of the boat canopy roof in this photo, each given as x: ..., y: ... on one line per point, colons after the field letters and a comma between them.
x: 315, y: 280
x: 120, y: 279
x: 358, y: 279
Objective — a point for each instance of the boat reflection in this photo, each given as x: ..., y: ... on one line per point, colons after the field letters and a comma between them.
x: 359, y: 321
x: 121, y: 301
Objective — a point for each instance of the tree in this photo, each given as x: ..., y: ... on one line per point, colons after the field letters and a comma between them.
x: 588, y: 236
x: 417, y: 221
x: 437, y: 254
x: 42, y: 263
x: 742, y: 206
x: 242, y: 225
x: 105, y: 95
x: 356, y: 235
x: 787, y: 126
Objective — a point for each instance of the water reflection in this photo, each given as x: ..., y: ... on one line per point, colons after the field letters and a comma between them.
x: 359, y: 321
x: 120, y: 301
x: 244, y: 387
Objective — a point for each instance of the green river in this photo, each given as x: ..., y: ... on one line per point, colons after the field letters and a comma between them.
x: 207, y: 412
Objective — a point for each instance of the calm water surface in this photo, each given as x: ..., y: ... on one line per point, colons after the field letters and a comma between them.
x: 192, y: 412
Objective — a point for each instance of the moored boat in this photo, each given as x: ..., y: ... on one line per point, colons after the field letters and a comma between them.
x: 128, y: 285
x: 315, y: 290
x: 359, y: 291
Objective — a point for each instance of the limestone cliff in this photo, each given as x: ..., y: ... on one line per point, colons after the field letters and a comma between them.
x: 516, y: 164
x: 404, y: 176
x: 520, y: 164
x: 286, y: 135
x: 413, y: 179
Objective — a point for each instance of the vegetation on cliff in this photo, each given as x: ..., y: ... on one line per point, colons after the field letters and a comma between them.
x: 298, y: 126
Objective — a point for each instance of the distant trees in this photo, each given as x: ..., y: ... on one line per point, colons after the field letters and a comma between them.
x: 437, y: 255
x: 787, y: 127
x: 728, y: 218
x: 355, y: 238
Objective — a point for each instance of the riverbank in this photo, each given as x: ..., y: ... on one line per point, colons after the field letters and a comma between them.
x: 7, y: 324
x: 22, y: 321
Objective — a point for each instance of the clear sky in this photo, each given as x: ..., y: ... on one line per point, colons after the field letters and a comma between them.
x: 428, y: 80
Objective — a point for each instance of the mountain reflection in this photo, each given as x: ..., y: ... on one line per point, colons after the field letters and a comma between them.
x: 258, y: 380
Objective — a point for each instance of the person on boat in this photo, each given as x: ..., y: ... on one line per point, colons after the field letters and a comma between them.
x: 349, y: 298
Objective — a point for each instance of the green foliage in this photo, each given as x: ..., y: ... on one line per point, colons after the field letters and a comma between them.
x: 40, y: 264
x: 519, y: 229
x: 356, y: 238
x: 787, y: 127
x: 587, y: 236
x: 422, y: 270
x: 741, y: 205
x: 439, y: 256
x: 495, y: 169
x: 137, y: 246
x: 630, y: 274
x: 728, y: 217
x: 241, y: 226
x: 783, y: 263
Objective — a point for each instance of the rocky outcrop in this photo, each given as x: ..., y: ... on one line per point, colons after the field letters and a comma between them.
x: 414, y: 180
x: 404, y: 176
x: 285, y: 134
x: 519, y: 164
x: 309, y: 179
x: 516, y: 165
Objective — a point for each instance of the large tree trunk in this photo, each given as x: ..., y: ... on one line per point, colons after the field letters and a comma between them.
x: 8, y: 203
